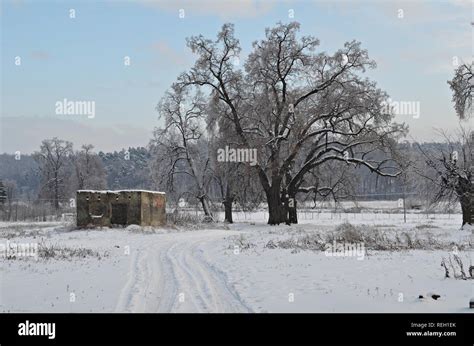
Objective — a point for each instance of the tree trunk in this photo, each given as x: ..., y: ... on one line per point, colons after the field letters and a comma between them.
x: 228, y: 210
x: 205, y: 206
x: 292, y: 214
x: 9, y: 210
x: 56, y: 191
x: 277, y: 212
x: 467, y: 207
x: 229, y: 199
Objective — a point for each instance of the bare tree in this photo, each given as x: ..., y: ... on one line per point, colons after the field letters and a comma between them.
x: 52, y: 158
x: 181, y: 144
x: 298, y: 107
x: 333, y: 180
x: 9, y: 192
x: 226, y: 178
x: 451, y: 173
x: 232, y: 178
x: 462, y: 86
x: 3, y: 194
x: 90, y: 172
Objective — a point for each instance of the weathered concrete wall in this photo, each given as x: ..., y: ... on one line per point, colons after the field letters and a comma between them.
x: 126, y: 207
x: 153, y: 210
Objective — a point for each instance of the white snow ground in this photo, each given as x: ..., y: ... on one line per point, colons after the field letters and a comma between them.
x: 165, y: 270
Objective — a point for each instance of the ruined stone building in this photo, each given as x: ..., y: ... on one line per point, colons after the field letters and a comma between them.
x: 124, y: 207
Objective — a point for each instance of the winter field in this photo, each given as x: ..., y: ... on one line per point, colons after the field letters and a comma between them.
x: 244, y: 267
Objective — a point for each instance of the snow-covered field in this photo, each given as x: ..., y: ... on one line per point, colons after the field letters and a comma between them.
x: 245, y: 267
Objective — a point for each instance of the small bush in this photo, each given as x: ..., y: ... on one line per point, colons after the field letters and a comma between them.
x: 191, y: 221
x: 183, y: 219
x: 54, y: 251
x: 242, y: 243
x: 312, y: 242
x: 348, y: 233
x: 425, y: 226
x: 456, y: 264
x: 371, y: 237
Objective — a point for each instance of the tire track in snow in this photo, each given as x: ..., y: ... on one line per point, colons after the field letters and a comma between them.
x: 173, y: 264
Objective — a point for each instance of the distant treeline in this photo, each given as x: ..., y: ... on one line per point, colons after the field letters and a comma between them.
x: 133, y: 168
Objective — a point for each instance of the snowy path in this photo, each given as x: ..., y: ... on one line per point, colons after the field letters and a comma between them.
x: 171, y: 274
x: 199, y: 271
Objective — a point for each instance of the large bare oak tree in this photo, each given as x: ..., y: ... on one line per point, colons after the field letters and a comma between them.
x: 300, y: 108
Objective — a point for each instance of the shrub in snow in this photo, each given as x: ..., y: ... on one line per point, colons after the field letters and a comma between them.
x: 372, y: 238
x: 183, y: 219
x: 348, y: 233
x: 54, y: 251
x: 455, y: 263
x: 312, y: 242
x: 241, y: 243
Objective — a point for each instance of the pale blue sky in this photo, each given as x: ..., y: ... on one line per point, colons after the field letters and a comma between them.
x: 82, y: 58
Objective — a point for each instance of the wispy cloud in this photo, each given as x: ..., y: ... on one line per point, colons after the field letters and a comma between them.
x: 165, y: 54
